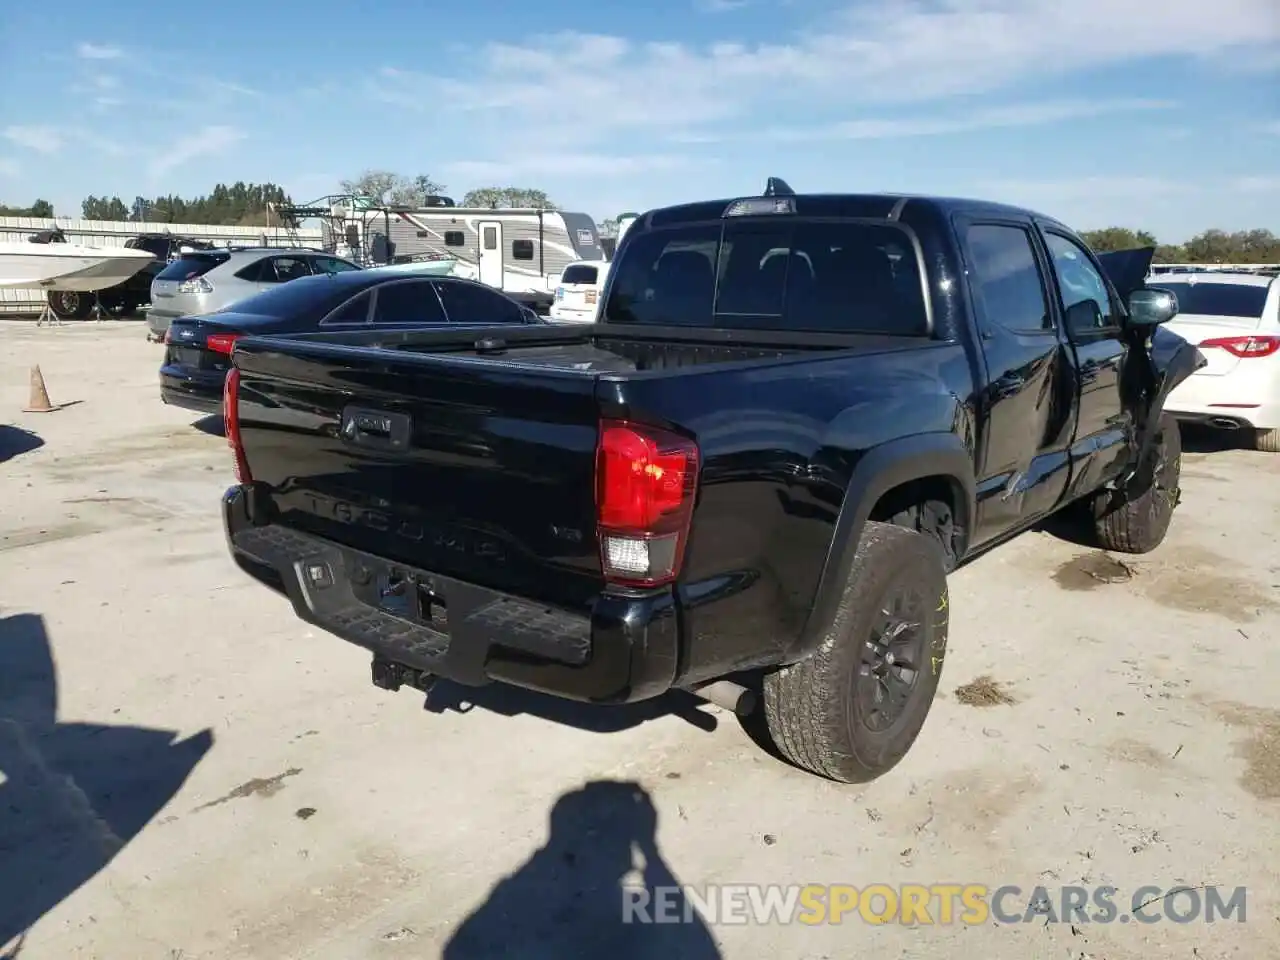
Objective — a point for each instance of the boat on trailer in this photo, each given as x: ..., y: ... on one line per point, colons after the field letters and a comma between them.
x: 46, y: 261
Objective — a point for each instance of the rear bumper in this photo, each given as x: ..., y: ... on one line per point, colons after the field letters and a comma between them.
x: 569, y: 315
x: 625, y: 649
x: 1245, y: 397
x: 191, y: 389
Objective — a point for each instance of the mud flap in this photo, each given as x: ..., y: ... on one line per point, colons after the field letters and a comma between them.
x: 1173, y: 360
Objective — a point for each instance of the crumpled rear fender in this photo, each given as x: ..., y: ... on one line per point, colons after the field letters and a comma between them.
x: 1173, y: 360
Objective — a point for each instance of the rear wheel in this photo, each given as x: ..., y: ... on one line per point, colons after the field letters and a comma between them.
x: 69, y: 305
x: 852, y: 710
x: 1267, y: 440
x: 1136, y: 519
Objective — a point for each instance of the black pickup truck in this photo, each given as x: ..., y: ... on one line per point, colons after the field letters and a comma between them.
x: 749, y: 480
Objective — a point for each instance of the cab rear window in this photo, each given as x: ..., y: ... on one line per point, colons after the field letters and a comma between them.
x: 579, y: 273
x: 192, y: 265
x: 762, y: 274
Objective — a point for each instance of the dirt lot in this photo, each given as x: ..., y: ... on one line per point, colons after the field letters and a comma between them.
x: 189, y: 772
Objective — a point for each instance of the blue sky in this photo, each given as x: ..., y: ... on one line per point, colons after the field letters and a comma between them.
x: 1163, y: 114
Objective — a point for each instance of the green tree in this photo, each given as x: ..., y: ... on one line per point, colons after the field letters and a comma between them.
x: 104, y: 208
x: 236, y: 204
x: 507, y: 198
x: 41, y: 208
x: 1109, y: 239
x: 393, y: 189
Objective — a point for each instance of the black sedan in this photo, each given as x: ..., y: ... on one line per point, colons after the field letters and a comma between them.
x: 198, y: 348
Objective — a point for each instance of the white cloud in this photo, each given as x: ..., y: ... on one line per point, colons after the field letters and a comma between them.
x: 41, y: 139
x: 104, y: 81
x: 9, y: 168
x: 889, y: 52
x: 93, y: 51
x: 720, y: 6
x: 205, y: 142
x: 1272, y: 127
x: 1015, y: 115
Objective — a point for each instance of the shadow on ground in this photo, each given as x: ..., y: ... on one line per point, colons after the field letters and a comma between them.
x: 511, y: 701
x: 569, y: 900
x: 71, y: 794
x: 14, y: 442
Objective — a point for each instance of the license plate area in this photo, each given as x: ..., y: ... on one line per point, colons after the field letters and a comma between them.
x: 188, y: 357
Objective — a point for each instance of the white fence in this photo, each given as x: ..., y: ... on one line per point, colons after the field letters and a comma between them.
x: 113, y: 233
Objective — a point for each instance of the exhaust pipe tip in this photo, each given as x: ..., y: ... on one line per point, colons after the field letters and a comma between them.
x: 1223, y: 423
x: 728, y: 695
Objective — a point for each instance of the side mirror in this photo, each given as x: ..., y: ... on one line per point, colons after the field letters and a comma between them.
x: 1151, y: 306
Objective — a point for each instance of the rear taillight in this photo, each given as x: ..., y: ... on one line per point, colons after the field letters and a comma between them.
x: 1245, y: 346
x: 231, y: 424
x: 221, y: 342
x: 197, y: 285
x: 646, y: 483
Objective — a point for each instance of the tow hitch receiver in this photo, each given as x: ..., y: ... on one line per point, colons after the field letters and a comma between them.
x: 389, y: 675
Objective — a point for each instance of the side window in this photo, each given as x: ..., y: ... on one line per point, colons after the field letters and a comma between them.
x: 331, y: 265
x: 522, y: 249
x: 291, y: 268
x: 1005, y: 278
x: 277, y: 270
x: 353, y: 311
x: 468, y: 303
x: 455, y: 238
x: 409, y: 302
x: 1086, y: 303
x: 491, y: 238
x: 257, y: 272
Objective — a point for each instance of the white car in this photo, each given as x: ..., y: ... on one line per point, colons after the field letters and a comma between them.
x: 578, y: 292
x: 1234, y: 319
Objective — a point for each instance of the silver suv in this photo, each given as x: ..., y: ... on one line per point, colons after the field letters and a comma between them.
x: 203, y: 281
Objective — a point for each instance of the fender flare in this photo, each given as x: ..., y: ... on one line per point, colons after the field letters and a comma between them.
x: 877, y: 472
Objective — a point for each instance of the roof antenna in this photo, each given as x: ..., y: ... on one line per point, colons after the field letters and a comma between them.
x: 777, y: 187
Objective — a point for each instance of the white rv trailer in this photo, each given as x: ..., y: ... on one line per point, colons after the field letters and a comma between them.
x: 519, y: 251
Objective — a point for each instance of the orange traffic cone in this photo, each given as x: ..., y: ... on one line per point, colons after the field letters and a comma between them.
x: 39, y: 401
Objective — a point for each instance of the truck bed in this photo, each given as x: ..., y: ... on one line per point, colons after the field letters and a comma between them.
x: 472, y: 458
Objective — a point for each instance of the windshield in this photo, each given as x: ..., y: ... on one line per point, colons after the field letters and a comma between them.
x: 1217, y: 299
x: 295, y: 298
x: 764, y: 274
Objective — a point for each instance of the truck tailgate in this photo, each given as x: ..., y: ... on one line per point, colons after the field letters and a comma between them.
x: 469, y: 469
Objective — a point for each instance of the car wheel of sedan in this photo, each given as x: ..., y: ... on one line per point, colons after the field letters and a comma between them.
x: 852, y: 710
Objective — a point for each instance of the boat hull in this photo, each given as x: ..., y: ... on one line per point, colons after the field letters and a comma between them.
x: 73, y: 268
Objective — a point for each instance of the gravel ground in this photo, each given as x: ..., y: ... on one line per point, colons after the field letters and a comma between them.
x: 187, y: 771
